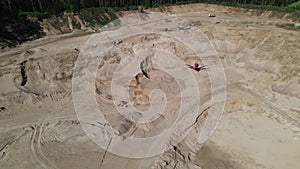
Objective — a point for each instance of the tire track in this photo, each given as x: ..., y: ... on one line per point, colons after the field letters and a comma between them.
x: 37, y: 150
x: 266, y: 102
x: 33, y: 151
x: 22, y: 49
x: 8, y: 142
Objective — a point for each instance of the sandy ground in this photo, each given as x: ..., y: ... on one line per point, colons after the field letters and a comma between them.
x: 260, y: 127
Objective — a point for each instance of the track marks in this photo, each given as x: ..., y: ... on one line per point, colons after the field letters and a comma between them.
x: 267, y: 103
x: 6, y: 142
x: 36, y: 149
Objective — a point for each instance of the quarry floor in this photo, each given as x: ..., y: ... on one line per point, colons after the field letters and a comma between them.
x: 260, y: 126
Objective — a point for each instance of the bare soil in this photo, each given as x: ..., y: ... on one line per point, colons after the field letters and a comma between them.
x: 260, y: 127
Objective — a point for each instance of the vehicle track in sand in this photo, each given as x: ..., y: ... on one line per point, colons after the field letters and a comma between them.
x: 35, y: 145
x: 265, y: 102
x: 5, y: 144
x: 22, y: 49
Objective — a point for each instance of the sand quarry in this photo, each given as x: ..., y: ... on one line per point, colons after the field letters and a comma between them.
x: 260, y: 125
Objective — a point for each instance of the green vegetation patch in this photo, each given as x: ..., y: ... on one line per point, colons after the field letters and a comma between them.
x: 35, y: 14
x: 97, y: 16
x: 76, y: 24
x: 295, y: 5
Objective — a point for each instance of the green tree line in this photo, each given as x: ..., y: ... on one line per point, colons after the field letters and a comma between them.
x: 13, y: 8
